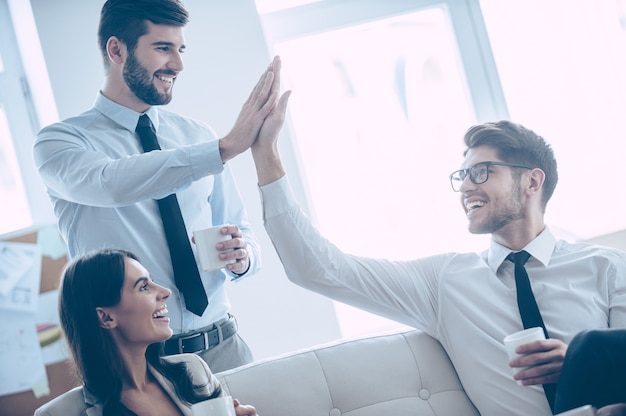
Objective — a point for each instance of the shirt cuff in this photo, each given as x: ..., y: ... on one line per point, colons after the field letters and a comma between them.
x: 205, y: 159
x: 237, y: 276
x: 277, y: 197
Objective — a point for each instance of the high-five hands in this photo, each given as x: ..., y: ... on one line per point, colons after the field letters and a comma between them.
x: 265, y: 149
x: 255, y: 110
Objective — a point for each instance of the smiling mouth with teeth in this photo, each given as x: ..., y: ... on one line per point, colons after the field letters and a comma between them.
x: 160, y: 313
x: 168, y: 79
x: 470, y: 206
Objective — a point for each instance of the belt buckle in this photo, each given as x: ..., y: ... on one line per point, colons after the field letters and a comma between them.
x: 181, y: 340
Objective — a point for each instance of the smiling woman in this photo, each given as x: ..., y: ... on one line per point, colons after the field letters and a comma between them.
x: 137, y: 315
x: 115, y: 320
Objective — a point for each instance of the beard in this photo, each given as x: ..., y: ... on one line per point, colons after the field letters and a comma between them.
x: 139, y: 80
x: 504, y: 211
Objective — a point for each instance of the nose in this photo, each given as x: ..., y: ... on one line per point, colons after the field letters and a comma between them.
x: 176, y: 63
x: 164, y: 292
x: 466, y: 185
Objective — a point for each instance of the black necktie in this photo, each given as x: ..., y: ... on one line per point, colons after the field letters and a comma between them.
x: 528, y: 309
x: 186, y: 273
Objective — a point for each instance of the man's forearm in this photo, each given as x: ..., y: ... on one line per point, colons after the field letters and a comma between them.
x: 269, y: 167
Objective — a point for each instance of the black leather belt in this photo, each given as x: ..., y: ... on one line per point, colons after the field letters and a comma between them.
x: 201, y: 339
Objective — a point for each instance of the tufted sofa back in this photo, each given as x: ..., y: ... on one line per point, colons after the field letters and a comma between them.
x: 405, y: 373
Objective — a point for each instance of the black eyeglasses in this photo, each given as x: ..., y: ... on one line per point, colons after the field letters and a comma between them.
x: 479, y: 173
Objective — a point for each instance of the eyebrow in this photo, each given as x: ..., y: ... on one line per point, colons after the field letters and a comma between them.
x: 164, y: 43
x: 140, y: 280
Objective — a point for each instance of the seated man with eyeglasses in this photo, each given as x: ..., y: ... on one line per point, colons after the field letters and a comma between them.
x: 468, y: 301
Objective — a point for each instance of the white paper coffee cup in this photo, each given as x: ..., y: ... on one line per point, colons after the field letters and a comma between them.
x: 511, y: 342
x: 205, y: 243
x: 586, y: 410
x: 220, y: 406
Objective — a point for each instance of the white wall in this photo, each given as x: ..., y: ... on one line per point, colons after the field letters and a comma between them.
x: 226, y: 53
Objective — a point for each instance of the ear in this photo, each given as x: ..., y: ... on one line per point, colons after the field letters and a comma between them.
x: 537, y: 178
x: 116, y: 50
x: 106, y: 319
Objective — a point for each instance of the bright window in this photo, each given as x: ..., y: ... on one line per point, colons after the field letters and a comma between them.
x: 380, y: 105
x: 378, y: 112
x: 15, y: 212
x: 26, y: 102
x: 562, y: 66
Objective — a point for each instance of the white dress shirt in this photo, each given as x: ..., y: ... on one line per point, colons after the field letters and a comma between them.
x: 103, y: 188
x: 466, y: 301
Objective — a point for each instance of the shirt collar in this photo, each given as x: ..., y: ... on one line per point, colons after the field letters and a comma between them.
x: 122, y: 115
x: 541, y: 248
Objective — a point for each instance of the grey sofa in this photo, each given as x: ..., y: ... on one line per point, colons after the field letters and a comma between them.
x: 405, y: 373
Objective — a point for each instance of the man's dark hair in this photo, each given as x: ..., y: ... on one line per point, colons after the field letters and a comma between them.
x: 515, y: 143
x: 126, y: 19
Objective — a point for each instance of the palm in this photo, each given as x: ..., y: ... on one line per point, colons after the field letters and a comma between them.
x: 273, y: 123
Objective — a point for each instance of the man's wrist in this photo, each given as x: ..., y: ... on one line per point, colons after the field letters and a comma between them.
x: 245, y: 271
x: 268, y: 164
x: 226, y: 150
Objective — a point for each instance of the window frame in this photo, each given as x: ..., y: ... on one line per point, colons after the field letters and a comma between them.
x: 465, y: 16
x: 32, y: 102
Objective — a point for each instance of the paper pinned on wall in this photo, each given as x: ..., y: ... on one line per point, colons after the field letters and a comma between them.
x: 52, y: 245
x: 53, y: 346
x: 20, y: 355
x: 20, y: 275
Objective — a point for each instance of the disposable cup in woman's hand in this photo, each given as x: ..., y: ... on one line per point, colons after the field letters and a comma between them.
x: 219, y: 406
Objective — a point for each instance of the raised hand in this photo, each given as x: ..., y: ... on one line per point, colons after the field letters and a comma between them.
x: 258, y: 106
x: 265, y: 149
